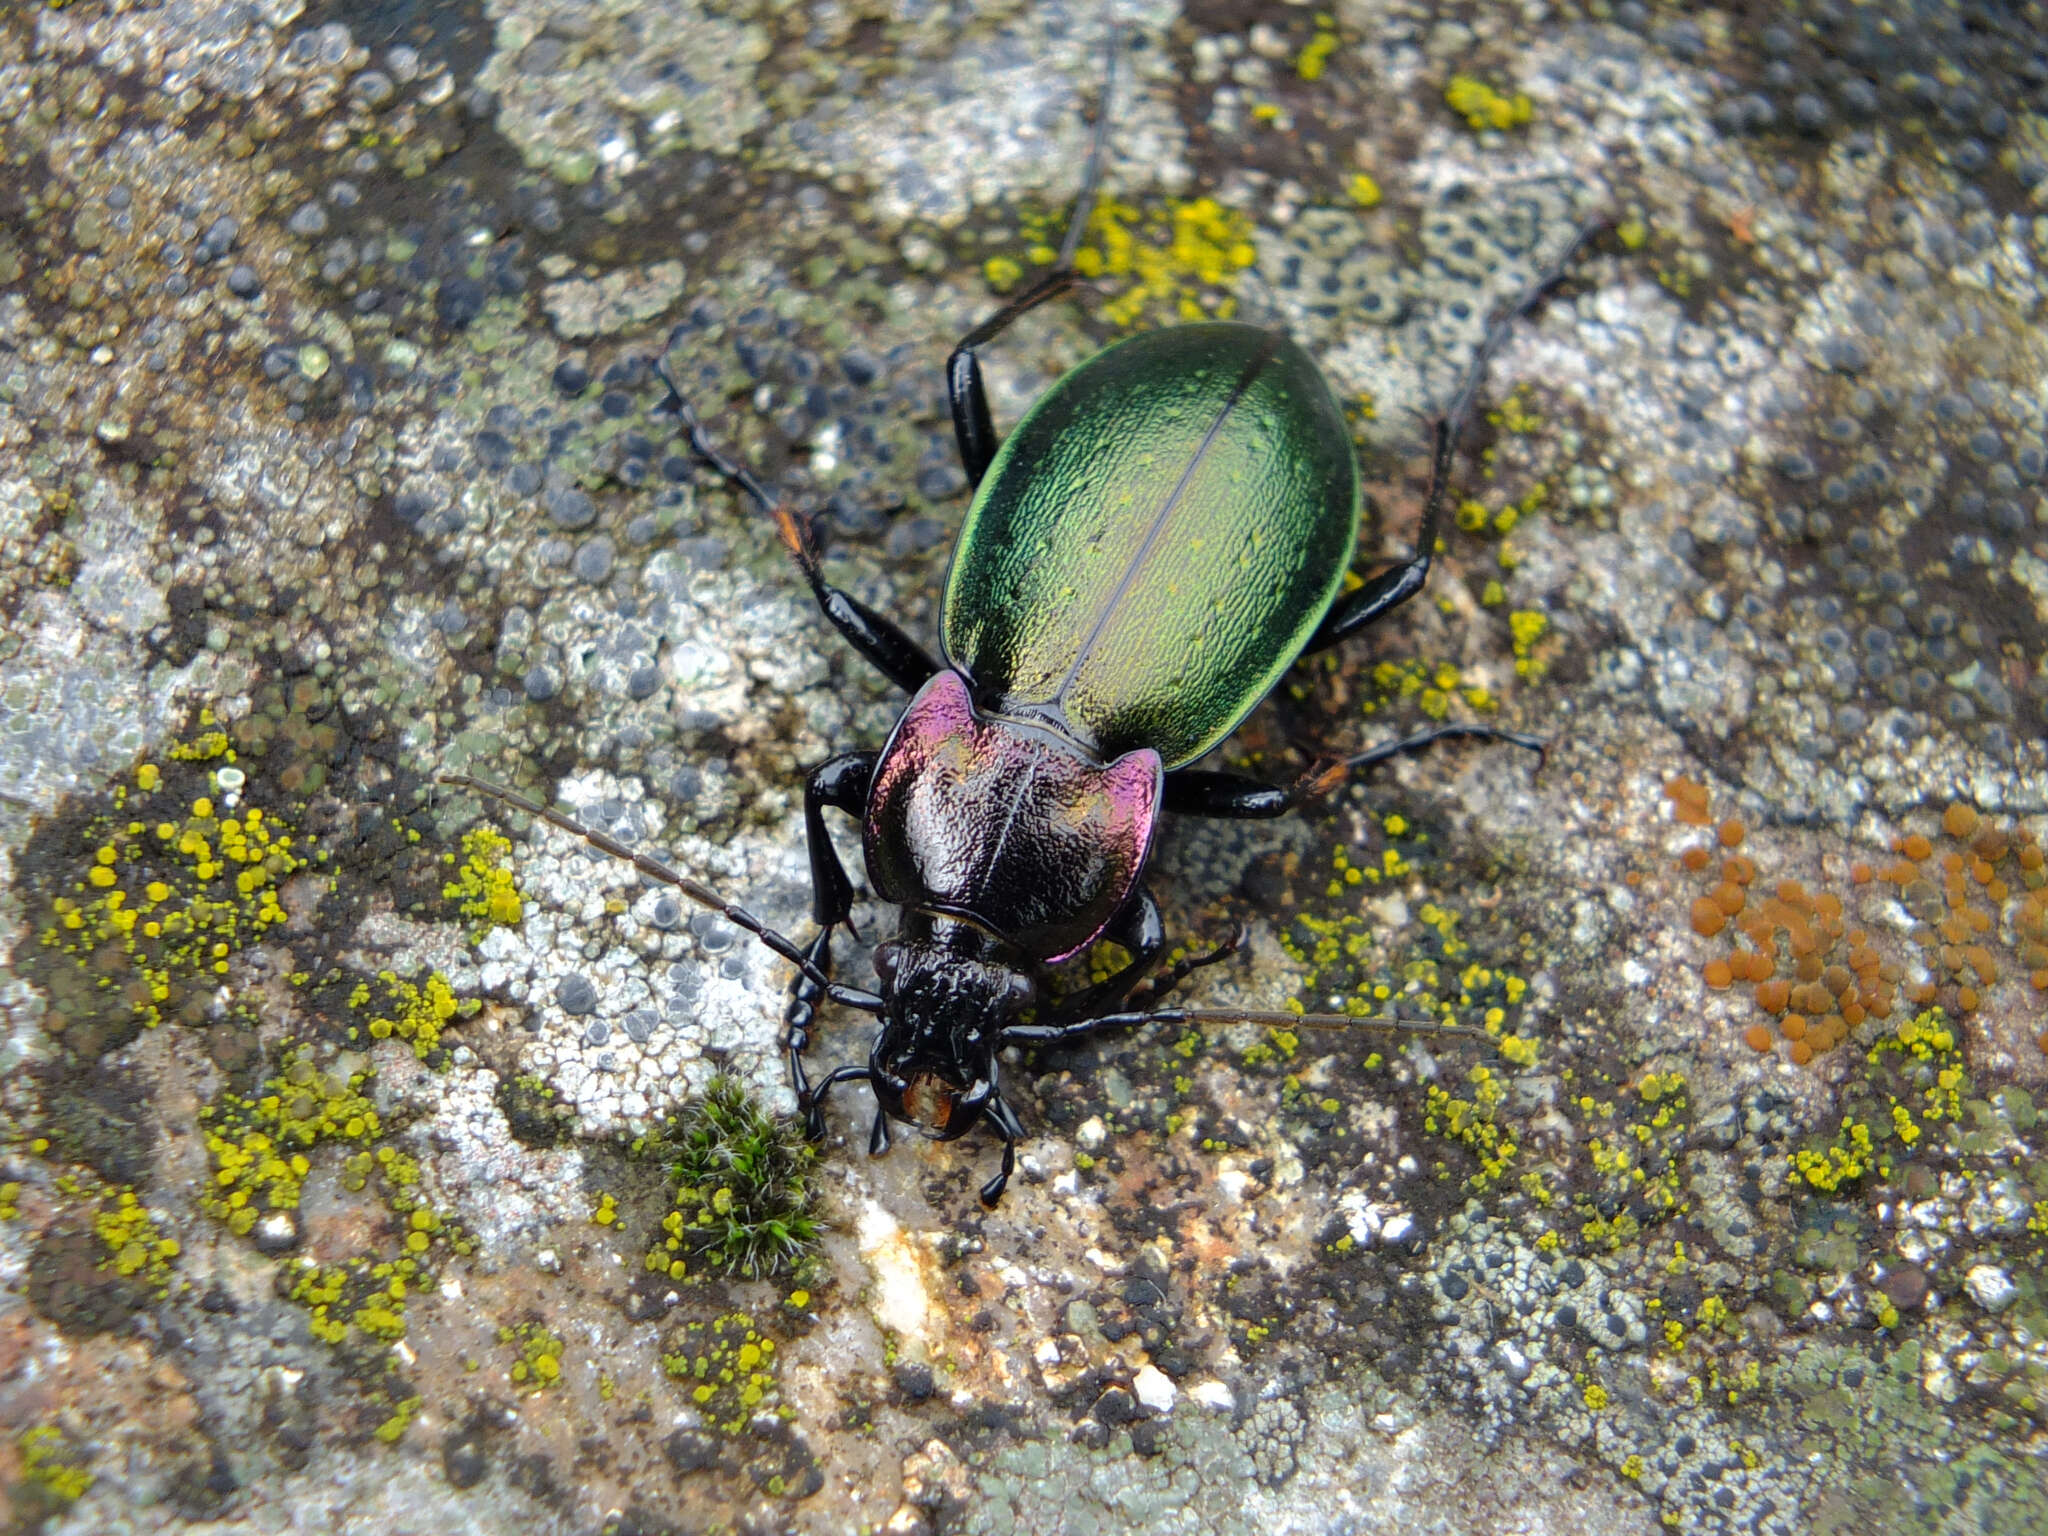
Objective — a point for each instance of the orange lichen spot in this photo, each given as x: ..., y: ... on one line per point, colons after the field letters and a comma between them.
x: 1953, y: 928
x: 1959, y: 820
x: 1686, y: 791
x: 1981, y: 871
x: 1732, y: 834
x: 1836, y: 979
x: 1632, y: 879
x: 1809, y: 965
x: 1853, y: 1014
x: 2031, y: 857
x: 1922, y: 994
x: 1762, y: 965
x: 1990, y: 845
x: 1694, y: 859
x: 1905, y: 872
x: 1758, y: 1039
x: 1997, y: 890
x: 1792, y: 893
x: 1800, y: 938
x: 1861, y: 874
x: 1688, y: 801
x: 1966, y: 999
x: 1916, y: 848
x: 1741, y: 869
x: 1828, y: 905
x: 1801, y: 1053
x: 1730, y: 897
x: 1718, y: 975
x: 1774, y: 996
x: 2040, y: 980
x: 1978, y: 919
x: 1982, y: 963
x: 1952, y: 862
x: 1707, y: 918
x: 1793, y: 1026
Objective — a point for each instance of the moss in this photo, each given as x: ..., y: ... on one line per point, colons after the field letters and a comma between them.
x: 742, y: 1189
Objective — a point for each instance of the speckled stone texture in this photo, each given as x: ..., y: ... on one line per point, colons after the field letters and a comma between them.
x: 338, y: 1137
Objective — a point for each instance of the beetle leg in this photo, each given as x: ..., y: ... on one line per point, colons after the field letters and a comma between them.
x: 840, y: 782
x: 894, y: 654
x: 814, y: 1111
x: 1233, y: 796
x: 1138, y: 929
x: 1155, y: 993
x: 1007, y: 1125
x: 878, y: 1134
x: 972, y: 427
x: 1388, y: 590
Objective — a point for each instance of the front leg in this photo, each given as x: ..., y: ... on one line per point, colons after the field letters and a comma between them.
x: 1011, y: 1129
x: 842, y: 782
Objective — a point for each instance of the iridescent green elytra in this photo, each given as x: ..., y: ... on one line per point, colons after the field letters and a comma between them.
x: 1156, y: 541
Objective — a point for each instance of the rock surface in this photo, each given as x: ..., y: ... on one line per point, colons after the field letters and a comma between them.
x: 339, y: 1182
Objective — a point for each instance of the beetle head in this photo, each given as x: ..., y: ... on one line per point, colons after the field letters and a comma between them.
x: 933, y: 1065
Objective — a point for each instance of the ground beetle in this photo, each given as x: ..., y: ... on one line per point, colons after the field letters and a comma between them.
x: 1162, y: 536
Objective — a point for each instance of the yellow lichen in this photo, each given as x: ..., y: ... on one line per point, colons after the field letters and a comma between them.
x: 484, y: 885
x: 1484, y: 108
x: 415, y: 1013
x: 1181, y: 258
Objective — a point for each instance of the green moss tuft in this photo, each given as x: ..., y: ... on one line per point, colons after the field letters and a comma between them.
x: 743, y: 1191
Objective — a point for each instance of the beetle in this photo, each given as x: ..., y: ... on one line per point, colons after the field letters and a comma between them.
x: 1166, y: 531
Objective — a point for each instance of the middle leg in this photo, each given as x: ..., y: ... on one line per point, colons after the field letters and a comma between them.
x: 1207, y: 792
x: 1388, y: 590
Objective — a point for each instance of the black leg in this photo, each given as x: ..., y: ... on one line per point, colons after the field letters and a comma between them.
x: 972, y: 427
x: 1154, y: 993
x: 1203, y: 792
x: 1004, y: 1119
x: 1139, y: 930
x: 830, y: 1081
x: 841, y: 782
x: 1392, y: 587
x: 878, y: 1134
x: 895, y: 655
